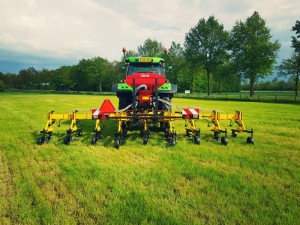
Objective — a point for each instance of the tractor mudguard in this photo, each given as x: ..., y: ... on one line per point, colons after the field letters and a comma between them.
x: 121, y: 87
x: 167, y: 88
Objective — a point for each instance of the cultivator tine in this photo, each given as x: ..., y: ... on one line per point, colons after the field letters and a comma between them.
x: 98, y: 132
x: 238, y: 119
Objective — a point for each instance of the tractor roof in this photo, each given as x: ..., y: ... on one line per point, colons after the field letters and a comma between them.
x: 144, y: 60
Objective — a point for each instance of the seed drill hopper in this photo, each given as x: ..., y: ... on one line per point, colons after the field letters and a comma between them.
x: 145, y: 104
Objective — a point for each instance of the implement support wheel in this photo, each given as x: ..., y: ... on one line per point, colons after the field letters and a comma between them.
x: 67, y: 140
x: 40, y: 140
x: 117, y: 143
x: 224, y: 141
x: 250, y: 140
x: 197, y: 140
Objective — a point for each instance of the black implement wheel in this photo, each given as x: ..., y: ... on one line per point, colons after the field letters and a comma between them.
x: 40, y: 140
x: 197, y: 140
x: 224, y: 141
x: 145, y: 140
x: 250, y: 140
x: 117, y: 143
x: 67, y: 140
x: 94, y: 139
x: 173, y: 141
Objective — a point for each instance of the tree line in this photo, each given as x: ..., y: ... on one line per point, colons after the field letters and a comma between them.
x: 210, y: 60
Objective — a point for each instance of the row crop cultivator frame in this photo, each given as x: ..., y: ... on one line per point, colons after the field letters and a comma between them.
x: 143, y: 120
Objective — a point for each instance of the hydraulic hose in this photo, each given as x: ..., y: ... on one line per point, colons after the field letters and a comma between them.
x: 142, y: 86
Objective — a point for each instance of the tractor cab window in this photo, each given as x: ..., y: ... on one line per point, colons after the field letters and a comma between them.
x: 146, y: 68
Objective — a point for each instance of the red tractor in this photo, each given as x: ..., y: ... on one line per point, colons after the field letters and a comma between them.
x: 145, y: 90
x: 145, y: 83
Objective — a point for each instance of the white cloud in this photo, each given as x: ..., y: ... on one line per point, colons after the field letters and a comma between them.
x: 63, y: 28
x: 75, y: 29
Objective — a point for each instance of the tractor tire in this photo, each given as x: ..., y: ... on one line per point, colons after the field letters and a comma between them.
x: 122, y: 101
x: 125, y: 99
x: 163, y: 106
x: 167, y: 107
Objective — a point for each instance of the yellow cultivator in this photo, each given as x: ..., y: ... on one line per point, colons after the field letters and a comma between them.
x: 146, y: 121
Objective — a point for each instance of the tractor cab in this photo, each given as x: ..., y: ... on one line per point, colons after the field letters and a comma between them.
x: 145, y: 65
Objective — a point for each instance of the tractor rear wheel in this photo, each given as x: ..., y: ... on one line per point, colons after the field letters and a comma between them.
x: 125, y: 99
x: 164, y: 105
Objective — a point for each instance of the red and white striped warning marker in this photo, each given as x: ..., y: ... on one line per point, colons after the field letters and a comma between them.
x: 190, y: 113
x: 95, y: 112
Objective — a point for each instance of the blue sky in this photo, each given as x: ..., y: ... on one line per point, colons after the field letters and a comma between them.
x: 53, y: 33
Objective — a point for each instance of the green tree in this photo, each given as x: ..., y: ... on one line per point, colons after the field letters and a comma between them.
x: 151, y: 48
x: 296, y: 40
x: 92, y: 74
x: 103, y: 73
x: 26, y: 77
x: 79, y: 75
x: 11, y: 80
x: 61, y: 78
x: 2, y: 86
x: 205, y: 45
x: 251, y: 49
x: 226, y: 78
x: 175, y: 58
x: 130, y: 53
x: 291, y: 67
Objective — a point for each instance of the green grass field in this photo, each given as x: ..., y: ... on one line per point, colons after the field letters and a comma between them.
x: 153, y: 184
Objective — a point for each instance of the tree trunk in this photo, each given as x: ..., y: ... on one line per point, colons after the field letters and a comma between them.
x: 208, y: 83
x: 297, y: 81
x: 252, y: 81
x: 192, y: 82
x: 219, y: 85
